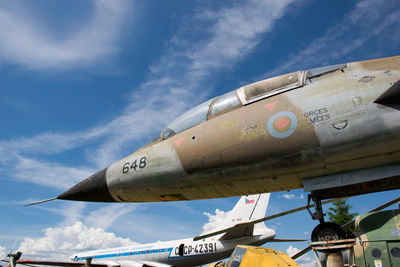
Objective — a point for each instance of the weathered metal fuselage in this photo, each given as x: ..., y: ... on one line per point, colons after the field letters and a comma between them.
x: 315, y: 129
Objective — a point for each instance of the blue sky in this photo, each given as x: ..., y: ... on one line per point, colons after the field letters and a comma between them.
x: 85, y: 83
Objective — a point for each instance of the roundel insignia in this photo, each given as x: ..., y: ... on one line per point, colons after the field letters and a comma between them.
x: 282, y: 124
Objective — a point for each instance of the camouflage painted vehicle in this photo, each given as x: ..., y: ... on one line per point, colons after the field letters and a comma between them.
x: 334, y: 131
x: 376, y: 244
x: 378, y: 239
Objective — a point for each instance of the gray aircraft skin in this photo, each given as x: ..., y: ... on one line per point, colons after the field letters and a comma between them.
x: 334, y: 131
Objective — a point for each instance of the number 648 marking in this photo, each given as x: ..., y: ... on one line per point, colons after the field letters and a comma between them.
x: 134, y: 165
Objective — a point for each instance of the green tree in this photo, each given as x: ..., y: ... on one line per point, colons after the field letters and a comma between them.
x: 340, y: 213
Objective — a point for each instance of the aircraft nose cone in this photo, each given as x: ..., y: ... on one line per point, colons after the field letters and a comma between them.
x: 93, y: 188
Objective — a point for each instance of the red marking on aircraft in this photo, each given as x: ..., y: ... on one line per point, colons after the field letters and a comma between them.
x: 179, y: 141
x: 270, y: 106
x: 282, y: 122
x: 249, y: 201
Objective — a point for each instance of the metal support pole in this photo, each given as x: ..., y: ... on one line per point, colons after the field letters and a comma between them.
x: 334, y: 260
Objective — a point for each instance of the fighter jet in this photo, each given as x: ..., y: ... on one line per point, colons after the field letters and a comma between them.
x: 334, y: 131
x: 185, y: 252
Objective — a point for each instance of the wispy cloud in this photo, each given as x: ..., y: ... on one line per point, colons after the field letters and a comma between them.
x: 27, y: 41
x: 235, y: 32
x: 101, y: 218
x: 79, y: 211
x: 47, y: 173
x: 366, y: 28
x: 51, y: 143
x: 177, y: 80
x: 71, y: 211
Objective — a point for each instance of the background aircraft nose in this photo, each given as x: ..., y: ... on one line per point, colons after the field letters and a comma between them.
x: 93, y: 188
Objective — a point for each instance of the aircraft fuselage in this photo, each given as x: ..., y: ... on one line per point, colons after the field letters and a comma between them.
x: 319, y: 129
x: 184, y: 252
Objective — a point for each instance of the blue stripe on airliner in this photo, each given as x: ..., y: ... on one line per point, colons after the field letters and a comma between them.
x: 147, y: 251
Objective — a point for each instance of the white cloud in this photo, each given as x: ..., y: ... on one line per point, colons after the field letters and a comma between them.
x: 28, y: 41
x: 287, y: 196
x: 214, y: 221
x: 290, y: 196
x: 3, y: 252
x: 291, y: 251
x: 312, y: 263
x: 61, y: 242
x: 304, y: 261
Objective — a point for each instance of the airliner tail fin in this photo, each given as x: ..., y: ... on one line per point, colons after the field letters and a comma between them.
x: 248, y: 208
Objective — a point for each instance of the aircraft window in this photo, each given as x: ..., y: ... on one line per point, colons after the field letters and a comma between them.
x: 269, y: 87
x: 319, y: 71
x: 395, y: 252
x: 224, y: 102
x: 189, y: 119
x: 167, y: 132
x: 237, y: 257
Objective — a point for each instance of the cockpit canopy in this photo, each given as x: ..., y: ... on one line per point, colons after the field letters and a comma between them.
x: 201, y: 113
x: 242, y: 96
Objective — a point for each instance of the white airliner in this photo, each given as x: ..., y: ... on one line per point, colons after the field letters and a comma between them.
x: 185, y: 252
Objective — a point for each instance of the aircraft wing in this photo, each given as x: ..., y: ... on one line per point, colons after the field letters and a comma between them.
x: 248, y: 224
x: 238, y: 231
x: 233, y: 231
